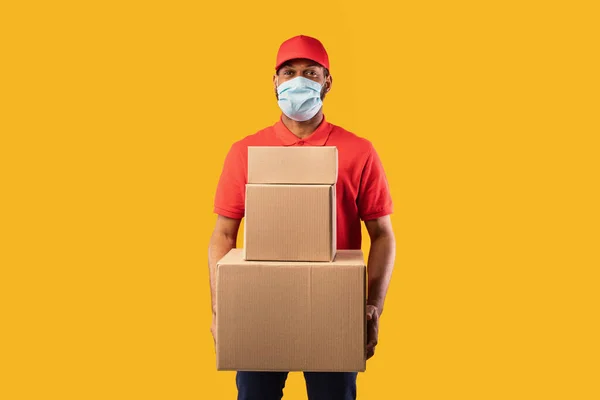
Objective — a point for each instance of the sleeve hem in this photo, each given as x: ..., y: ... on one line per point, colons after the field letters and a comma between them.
x: 228, y: 213
x: 378, y: 214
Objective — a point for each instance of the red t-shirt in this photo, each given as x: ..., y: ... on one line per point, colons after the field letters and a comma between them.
x: 362, y: 189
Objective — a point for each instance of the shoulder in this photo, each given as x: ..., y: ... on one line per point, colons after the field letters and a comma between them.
x: 354, y: 149
x: 344, y: 137
x: 260, y: 138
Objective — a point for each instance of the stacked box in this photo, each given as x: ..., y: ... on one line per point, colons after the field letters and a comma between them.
x: 290, y: 204
x: 291, y: 316
x: 289, y: 301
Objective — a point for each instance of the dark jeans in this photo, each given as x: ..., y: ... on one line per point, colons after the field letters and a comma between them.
x: 319, y: 385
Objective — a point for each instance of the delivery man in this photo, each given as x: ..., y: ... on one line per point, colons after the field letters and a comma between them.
x: 302, y: 79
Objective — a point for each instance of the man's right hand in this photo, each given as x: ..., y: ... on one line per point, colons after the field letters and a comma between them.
x: 222, y: 241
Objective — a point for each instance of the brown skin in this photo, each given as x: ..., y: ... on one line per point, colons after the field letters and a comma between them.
x: 310, y: 70
x: 383, y: 244
x: 223, y: 239
x: 379, y: 270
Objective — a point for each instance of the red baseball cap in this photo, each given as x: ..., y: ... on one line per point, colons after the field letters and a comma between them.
x: 302, y: 47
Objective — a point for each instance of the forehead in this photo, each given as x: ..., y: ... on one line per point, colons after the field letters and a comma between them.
x: 300, y: 63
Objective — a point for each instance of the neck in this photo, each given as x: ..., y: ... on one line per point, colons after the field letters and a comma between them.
x: 302, y: 129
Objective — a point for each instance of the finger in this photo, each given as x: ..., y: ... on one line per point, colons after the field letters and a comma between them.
x: 370, y: 353
x: 374, y: 315
x: 371, y: 346
x: 372, y: 333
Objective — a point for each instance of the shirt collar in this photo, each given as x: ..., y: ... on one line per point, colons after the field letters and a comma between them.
x: 317, y: 138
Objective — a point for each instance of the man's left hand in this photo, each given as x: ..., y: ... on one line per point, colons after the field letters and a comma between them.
x: 213, y: 331
x: 372, y: 329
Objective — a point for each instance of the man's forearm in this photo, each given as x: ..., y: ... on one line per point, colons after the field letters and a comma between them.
x: 218, y: 247
x: 380, y: 266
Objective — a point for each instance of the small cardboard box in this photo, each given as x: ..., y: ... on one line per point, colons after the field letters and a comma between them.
x: 290, y: 223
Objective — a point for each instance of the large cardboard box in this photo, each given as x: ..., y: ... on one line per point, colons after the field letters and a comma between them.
x: 290, y: 223
x: 291, y: 316
x: 316, y: 165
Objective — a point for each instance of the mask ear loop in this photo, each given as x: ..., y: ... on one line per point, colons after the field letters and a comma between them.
x: 277, y: 84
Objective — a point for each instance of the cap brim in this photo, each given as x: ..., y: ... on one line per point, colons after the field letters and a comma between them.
x: 296, y: 57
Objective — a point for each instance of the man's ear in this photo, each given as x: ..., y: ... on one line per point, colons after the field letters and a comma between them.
x: 328, y: 83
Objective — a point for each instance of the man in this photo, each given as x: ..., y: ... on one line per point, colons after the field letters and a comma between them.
x: 301, y: 81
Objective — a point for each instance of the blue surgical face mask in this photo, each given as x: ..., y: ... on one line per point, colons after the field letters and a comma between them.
x: 299, y: 98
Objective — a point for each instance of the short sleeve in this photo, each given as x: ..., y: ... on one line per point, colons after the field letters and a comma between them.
x: 374, y: 198
x: 230, y: 196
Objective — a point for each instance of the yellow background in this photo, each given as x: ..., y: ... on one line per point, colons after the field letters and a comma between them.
x: 115, y: 120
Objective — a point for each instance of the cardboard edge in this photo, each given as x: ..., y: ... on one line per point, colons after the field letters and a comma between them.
x: 250, y: 368
x: 365, y: 286
x: 333, y: 222
x: 217, y: 302
x: 244, y: 244
x: 249, y: 163
x: 337, y: 167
